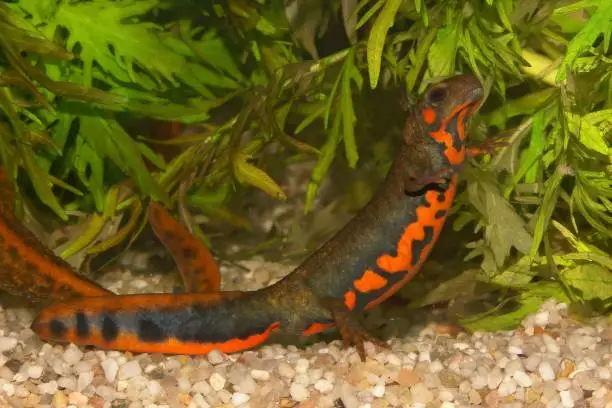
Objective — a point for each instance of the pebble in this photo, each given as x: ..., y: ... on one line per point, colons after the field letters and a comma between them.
x: 217, y: 381
x: 240, y: 398
x: 110, y: 368
x: 129, y: 370
x: 567, y: 366
x: 72, y: 355
x: 522, y: 379
x: 299, y: 392
x: 546, y: 371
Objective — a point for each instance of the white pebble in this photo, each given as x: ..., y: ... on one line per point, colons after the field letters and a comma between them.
x: 298, y: 392
x: 479, y: 381
x: 447, y: 404
x: 72, y: 354
x: 217, y: 381
x: 129, y: 370
x: 446, y: 395
x: 48, y: 387
x: 566, y: 399
x: 239, y: 398
x: 420, y: 393
x: 507, y: 387
x: 69, y: 383
x: 216, y: 357
x: 551, y: 344
x: 7, y: 343
x: 424, y: 357
x: 541, y: 319
x: 546, y: 371
x: 522, y: 379
x: 35, y: 371
x: 494, y: 378
x: 379, y: 390
x: 154, y: 387
x: 285, y: 370
x: 84, y: 380
x: 394, y: 360
x: 604, y: 373
x: 78, y: 399
x: 110, y: 368
x: 515, y: 350
x: 8, y: 389
x: 436, y: 366
x: 323, y: 386
x: 564, y: 384
x: 261, y: 375
x: 302, y: 365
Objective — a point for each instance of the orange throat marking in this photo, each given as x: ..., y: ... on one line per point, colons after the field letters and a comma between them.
x: 425, y: 217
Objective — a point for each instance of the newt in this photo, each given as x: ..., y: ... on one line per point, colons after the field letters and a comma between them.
x: 366, y: 262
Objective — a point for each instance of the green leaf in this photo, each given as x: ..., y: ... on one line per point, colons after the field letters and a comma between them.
x: 348, y: 114
x: 549, y: 200
x: 587, y: 133
x: 441, y: 56
x: 325, y: 160
x: 378, y: 35
x: 592, y: 280
x: 109, y: 140
x: 529, y: 302
x: 516, y: 276
x: 448, y: 290
x: 599, y: 23
x: 247, y: 173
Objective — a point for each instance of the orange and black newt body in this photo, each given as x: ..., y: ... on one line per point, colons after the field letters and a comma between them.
x: 27, y: 267
x: 367, y: 261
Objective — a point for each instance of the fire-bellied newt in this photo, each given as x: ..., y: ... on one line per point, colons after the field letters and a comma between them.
x: 367, y: 261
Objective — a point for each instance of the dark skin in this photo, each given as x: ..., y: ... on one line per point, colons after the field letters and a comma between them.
x: 367, y: 261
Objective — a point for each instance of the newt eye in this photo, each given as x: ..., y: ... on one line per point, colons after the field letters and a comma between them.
x: 437, y: 95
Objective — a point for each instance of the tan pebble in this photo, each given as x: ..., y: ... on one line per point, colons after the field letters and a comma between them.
x: 447, y: 328
x: 76, y: 398
x: 492, y: 399
x: 59, y: 400
x: 531, y: 396
x: 408, y: 377
x: 184, y: 398
x: 32, y: 400
x: 567, y: 367
x: 539, y: 330
x: 96, y: 402
x: 474, y: 397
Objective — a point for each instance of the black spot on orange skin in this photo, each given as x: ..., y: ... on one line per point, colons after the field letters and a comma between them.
x: 57, y: 328
x: 110, y: 331
x: 149, y: 331
x: 82, y: 325
x: 189, y: 253
x: 441, y: 214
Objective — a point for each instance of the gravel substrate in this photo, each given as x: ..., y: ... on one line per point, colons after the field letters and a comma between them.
x: 550, y: 361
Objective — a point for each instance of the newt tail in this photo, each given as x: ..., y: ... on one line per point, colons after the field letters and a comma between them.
x: 27, y: 267
x: 367, y: 261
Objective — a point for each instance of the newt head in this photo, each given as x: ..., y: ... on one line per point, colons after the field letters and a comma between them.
x: 445, y: 110
x: 435, y: 132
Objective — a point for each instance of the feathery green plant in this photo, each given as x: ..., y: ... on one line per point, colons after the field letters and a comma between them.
x: 295, y: 74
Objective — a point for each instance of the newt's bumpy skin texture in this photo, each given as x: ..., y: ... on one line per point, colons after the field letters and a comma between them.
x: 28, y: 268
x: 367, y: 261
